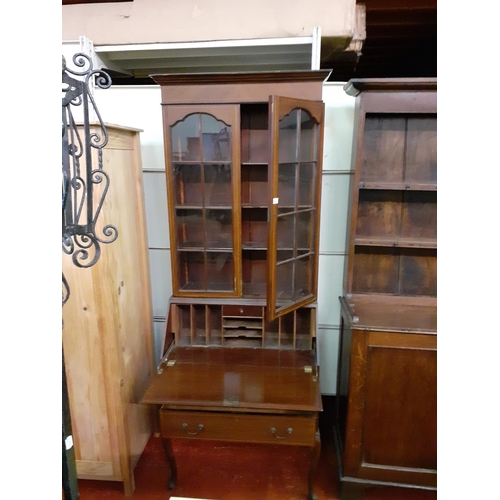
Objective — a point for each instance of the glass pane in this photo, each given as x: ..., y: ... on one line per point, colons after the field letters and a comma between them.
x: 305, y: 232
x: 191, y: 271
x: 216, y: 137
x: 307, y: 184
x: 283, y: 255
x: 308, y: 150
x: 219, y: 229
x: 288, y: 138
x: 284, y: 283
x: 217, y: 185
x: 186, y: 139
x: 202, y: 172
x: 220, y: 271
x: 303, y: 277
x: 189, y: 225
x: 298, y: 173
x: 285, y: 232
x: 287, y: 175
x: 187, y: 182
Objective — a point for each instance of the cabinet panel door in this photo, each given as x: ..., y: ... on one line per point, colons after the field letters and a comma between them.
x: 203, y: 175
x: 391, y: 422
x: 295, y: 189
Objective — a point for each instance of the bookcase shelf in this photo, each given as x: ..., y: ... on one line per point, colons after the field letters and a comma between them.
x: 400, y: 186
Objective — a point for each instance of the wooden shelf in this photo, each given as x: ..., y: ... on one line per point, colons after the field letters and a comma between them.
x: 260, y: 245
x: 185, y: 248
x: 203, y: 207
x: 400, y: 314
x: 242, y: 333
x: 395, y: 242
x: 245, y: 342
x: 222, y: 287
x: 229, y: 322
x: 200, y: 162
x: 291, y: 208
x: 399, y: 186
x: 294, y: 162
x: 251, y: 206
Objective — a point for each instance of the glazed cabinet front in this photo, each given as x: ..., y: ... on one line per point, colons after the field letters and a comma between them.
x: 295, y: 187
x: 244, y: 184
x: 203, y: 179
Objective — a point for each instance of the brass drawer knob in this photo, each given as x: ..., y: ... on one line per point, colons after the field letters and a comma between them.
x: 288, y: 432
x: 192, y: 433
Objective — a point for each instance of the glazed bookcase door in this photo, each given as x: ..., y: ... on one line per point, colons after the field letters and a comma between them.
x: 203, y: 176
x: 295, y: 189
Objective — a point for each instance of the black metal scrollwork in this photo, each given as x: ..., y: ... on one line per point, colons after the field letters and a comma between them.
x: 81, y: 200
x: 81, y: 204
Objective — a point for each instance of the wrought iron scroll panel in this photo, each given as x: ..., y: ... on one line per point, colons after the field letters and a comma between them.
x: 81, y: 206
x: 81, y: 203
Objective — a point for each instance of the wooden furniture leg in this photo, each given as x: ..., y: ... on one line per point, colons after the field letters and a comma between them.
x: 315, y: 452
x: 352, y: 491
x: 169, y: 453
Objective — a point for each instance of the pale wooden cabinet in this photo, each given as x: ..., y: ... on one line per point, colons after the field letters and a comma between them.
x: 108, y: 328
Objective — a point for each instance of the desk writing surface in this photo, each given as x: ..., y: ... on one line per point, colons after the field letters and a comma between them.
x: 240, y: 378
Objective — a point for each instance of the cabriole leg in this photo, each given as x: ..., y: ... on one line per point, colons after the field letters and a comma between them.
x: 169, y: 454
x: 315, y: 451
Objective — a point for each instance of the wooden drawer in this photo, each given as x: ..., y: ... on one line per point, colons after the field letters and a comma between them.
x: 274, y: 429
x: 249, y: 311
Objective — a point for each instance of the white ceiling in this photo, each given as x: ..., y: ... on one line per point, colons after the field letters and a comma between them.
x: 273, y: 54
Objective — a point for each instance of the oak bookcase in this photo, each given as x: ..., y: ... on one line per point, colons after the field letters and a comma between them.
x: 386, y: 395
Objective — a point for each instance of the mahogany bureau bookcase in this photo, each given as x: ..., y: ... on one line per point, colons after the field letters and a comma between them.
x: 386, y: 395
x: 243, y: 157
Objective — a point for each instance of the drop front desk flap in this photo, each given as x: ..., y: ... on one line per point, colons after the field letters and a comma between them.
x: 244, y: 379
x: 238, y: 395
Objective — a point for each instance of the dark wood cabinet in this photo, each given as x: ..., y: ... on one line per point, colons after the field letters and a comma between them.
x: 243, y: 158
x: 386, y: 396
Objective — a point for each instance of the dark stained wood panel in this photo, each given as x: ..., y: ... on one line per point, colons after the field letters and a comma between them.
x: 401, y: 41
x: 392, y: 433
